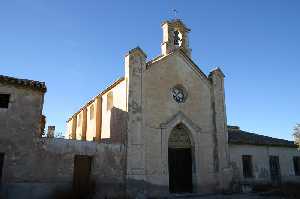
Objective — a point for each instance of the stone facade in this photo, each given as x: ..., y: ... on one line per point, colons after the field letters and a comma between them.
x: 144, y: 95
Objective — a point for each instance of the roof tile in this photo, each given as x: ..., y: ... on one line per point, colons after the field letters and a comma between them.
x: 36, y: 85
x: 237, y: 136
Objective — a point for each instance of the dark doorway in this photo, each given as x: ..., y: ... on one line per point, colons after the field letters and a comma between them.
x: 82, y: 170
x: 247, y: 166
x: 1, y: 166
x: 180, y: 170
x: 275, y: 169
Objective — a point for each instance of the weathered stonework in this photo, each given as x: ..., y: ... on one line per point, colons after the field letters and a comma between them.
x: 36, y: 167
x: 130, y: 130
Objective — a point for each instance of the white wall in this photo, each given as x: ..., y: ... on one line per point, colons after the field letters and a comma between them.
x: 91, y: 123
x: 260, y: 160
x: 119, y: 101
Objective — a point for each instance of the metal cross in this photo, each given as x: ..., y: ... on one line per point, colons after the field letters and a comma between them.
x: 175, y: 13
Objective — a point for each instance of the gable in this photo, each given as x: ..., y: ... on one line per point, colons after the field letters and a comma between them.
x: 188, y: 62
x: 166, y: 73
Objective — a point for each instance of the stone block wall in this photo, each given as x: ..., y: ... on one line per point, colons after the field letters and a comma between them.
x: 39, y: 168
x: 47, y: 167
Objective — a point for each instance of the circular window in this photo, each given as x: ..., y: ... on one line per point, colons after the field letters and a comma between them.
x: 179, y: 93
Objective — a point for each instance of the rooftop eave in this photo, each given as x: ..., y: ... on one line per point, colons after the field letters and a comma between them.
x: 111, y: 86
x: 25, y: 83
x: 136, y: 49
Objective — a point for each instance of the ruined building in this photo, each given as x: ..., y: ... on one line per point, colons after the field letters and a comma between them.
x: 160, y: 129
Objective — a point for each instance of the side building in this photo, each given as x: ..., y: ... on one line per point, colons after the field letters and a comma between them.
x: 38, y: 167
x: 100, y: 118
x: 258, y: 159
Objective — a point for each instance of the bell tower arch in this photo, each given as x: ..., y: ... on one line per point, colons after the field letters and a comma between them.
x: 175, y: 35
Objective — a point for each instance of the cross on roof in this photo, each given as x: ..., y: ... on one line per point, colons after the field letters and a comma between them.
x: 175, y: 13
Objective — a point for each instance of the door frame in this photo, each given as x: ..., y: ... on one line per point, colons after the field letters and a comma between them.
x: 193, y: 132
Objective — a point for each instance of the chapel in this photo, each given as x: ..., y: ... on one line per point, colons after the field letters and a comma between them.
x: 171, y: 117
x: 159, y: 130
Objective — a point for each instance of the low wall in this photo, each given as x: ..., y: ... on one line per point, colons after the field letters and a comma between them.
x: 45, y: 167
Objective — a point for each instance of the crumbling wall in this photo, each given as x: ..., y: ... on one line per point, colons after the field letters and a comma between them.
x: 118, y: 126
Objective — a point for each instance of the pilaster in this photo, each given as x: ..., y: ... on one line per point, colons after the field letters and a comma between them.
x: 135, y: 65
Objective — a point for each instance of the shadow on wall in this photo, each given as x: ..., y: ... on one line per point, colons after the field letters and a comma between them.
x: 118, y: 126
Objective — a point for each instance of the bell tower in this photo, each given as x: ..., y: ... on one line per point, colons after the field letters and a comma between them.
x: 175, y: 35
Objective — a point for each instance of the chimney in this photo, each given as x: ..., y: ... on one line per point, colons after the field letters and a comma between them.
x: 51, y: 130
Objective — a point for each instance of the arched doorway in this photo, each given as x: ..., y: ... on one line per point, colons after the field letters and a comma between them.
x: 180, y: 160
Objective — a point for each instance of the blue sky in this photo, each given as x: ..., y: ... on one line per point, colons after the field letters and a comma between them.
x: 78, y: 47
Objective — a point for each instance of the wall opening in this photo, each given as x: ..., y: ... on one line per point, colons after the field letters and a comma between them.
x: 275, y: 169
x: 81, y: 175
x: 180, y: 160
x: 79, y: 120
x: 92, y: 112
x: 296, y: 161
x: 1, y: 166
x: 110, y: 101
x: 247, y: 166
x: 4, y: 100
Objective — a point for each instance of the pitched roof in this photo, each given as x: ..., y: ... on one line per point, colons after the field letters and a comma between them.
x: 26, y: 83
x: 237, y: 136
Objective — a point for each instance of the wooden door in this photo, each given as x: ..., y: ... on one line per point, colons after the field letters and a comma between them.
x: 81, y: 178
x: 180, y: 170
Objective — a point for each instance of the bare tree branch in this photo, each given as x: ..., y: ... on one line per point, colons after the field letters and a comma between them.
x: 296, y: 134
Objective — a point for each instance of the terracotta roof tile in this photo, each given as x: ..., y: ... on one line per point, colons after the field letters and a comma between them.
x: 36, y: 85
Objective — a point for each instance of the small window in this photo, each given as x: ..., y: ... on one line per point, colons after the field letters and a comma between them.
x: 91, y: 112
x: 4, y: 100
x: 297, y: 165
x: 110, y: 101
x: 79, y: 120
x: 247, y: 166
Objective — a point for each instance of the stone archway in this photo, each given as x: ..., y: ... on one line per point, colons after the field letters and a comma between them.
x: 180, y: 160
